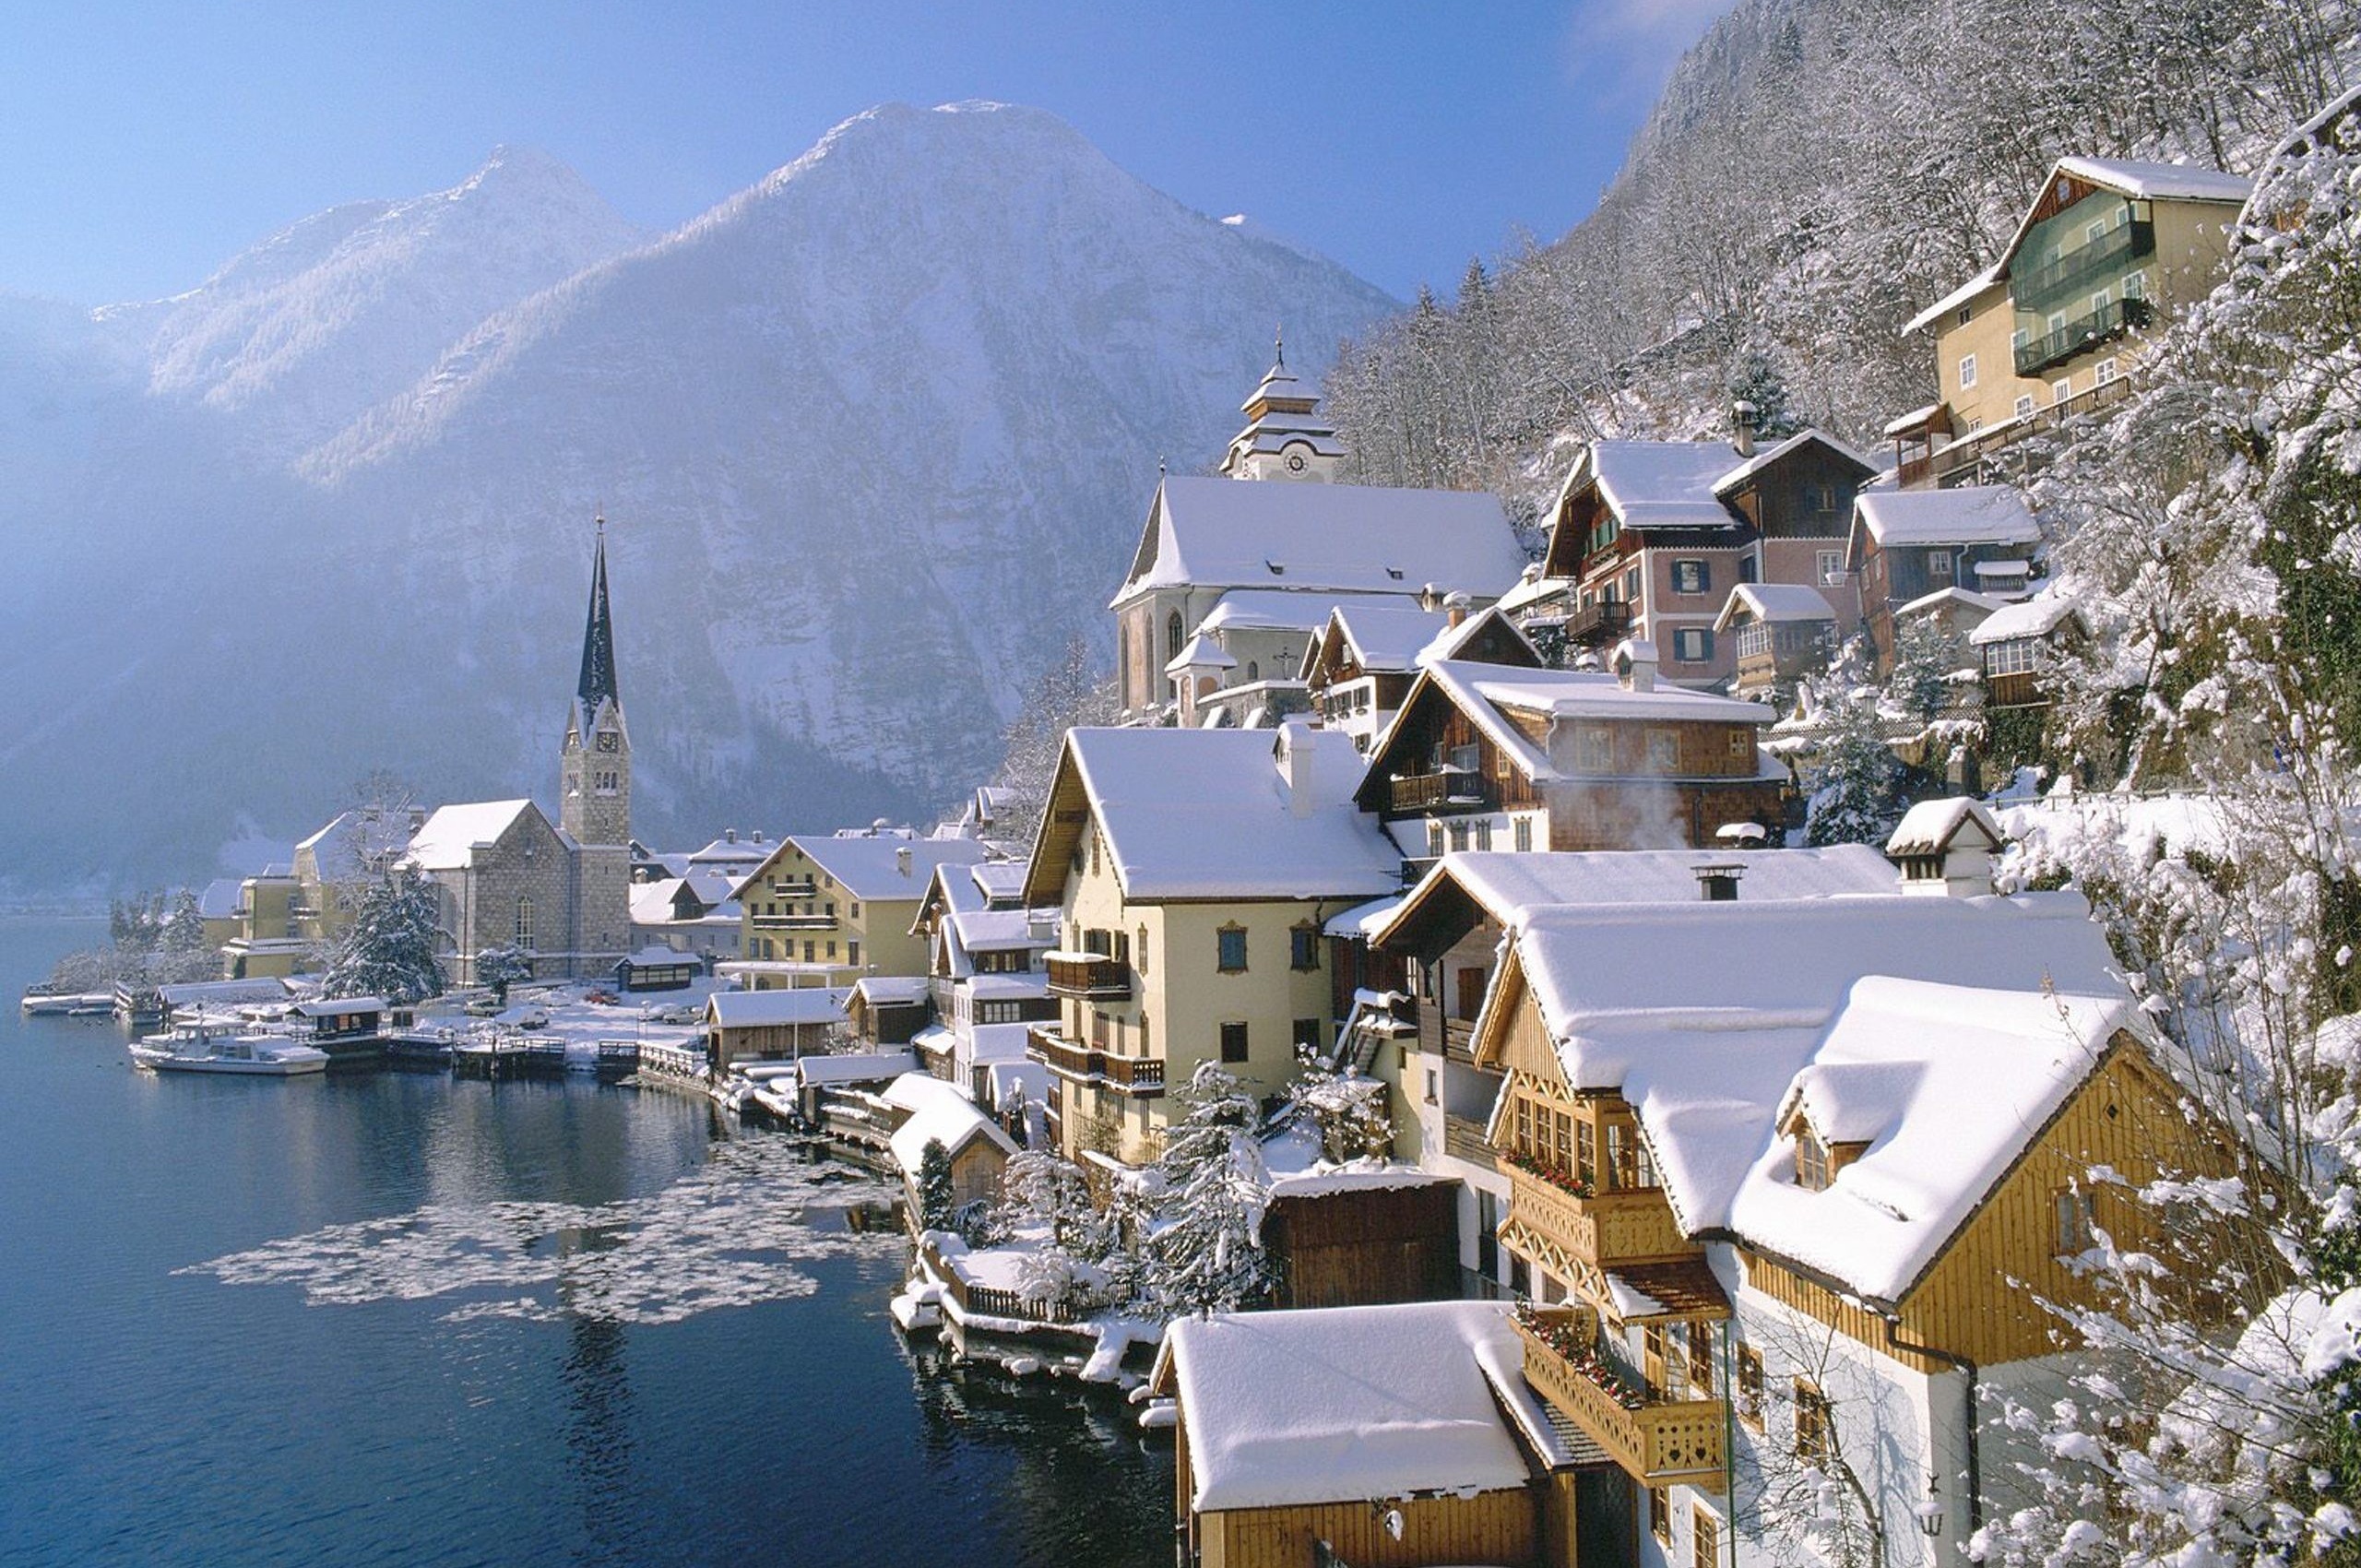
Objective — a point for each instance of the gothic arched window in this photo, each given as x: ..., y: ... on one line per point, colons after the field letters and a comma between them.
x: 1172, y: 636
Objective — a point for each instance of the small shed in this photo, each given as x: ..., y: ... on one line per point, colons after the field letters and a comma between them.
x: 341, y: 1018
x: 888, y: 1009
x: 771, y: 1026
x: 934, y: 1112
x: 658, y: 967
x: 1404, y: 1436
x: 1347, y: 1238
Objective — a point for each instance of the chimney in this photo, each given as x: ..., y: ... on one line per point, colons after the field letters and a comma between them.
x: 729, y: 836
x: 1455, y: 606
x: 902, y: 860
x: 1295, y: 768
x: 1429, y: 597
x: 417, y: 818
x: 1636, y: 664
x: 758, y: 835
x: 1744, y: 417
x: 1718, y: 884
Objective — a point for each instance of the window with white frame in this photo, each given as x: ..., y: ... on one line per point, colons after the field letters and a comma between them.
x: 1692, y: 644
x: 1690, y: 576
x: 2103, y: 371
x: 1938, y: 565
x: 2024, y: 405
x: 2015, y: 655
x: 1831, y: 563
x: 1966, y: 371
x: 2061, y: 389
x: 2135, y: 285
x: 1594, y: 748
x: 1663, y: 751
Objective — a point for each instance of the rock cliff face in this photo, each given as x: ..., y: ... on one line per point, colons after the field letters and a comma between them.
x: 872, y: 438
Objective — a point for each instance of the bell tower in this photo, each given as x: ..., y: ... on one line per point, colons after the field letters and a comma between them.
x: 594, y: 769
x: 1285, y: 437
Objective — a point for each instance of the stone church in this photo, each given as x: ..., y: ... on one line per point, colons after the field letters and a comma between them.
x: 505, y: 875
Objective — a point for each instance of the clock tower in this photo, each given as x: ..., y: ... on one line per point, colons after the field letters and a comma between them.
x: 594, y: 769
x: 1285, y: 437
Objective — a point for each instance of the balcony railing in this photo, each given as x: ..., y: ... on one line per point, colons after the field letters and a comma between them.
x: 1429, y: 792
x: 1089, y: 976
x: 2109, y: 322
x: 1590, y: 625
x: 1605, y: 1230
x: 793, y: 887
x: 2073, y: 270
x: 1142, y: 1076
x: 1662, y: 1440
x: 795, y: 922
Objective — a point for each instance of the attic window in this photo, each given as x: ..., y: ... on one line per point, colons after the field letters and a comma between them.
x: 1812, y: 1173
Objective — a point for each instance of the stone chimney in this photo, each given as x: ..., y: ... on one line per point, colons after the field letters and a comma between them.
x: 902, y: 860
x: 1455, y: 607
x: 1636, y: 664
x: 1945, y: 849
x: 729, y: 836
x: 1718, y: 884
x: 1744, y: 417
x: 1429, y: 597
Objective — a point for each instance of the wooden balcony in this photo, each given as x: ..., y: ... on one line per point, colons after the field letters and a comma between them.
x: 1663, y: 1440
x: 1140, y: 1076
x: 1602, y: 1231
x: 1438, y: 791
x: 1594, y: 625
x: 795, y: 922
x: 1089, y: 977
x: 793, y: 887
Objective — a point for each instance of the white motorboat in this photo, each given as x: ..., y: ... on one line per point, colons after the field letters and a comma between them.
x: 210, y: 1048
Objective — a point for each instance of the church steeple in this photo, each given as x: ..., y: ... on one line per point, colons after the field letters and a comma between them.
x: 1284, y: 437
x: 599, y: 637
x: 594, y: 767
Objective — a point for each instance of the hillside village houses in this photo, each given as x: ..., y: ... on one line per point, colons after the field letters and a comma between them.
x: 986, y: 980
x: 824, y: 909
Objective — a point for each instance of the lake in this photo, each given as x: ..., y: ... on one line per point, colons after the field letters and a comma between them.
x: 396, y: 1318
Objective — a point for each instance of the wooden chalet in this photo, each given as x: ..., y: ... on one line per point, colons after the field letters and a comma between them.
x: 1360, y: 666
x: 1779, y: 633
x: 1908, y: 545
x: 2017, y: 645
x: 1483, y: 758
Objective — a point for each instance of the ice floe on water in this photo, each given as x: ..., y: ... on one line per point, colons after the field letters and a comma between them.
x: 727, y: 1234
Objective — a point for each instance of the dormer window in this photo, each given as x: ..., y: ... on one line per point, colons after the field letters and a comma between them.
x: 1812, y: 1165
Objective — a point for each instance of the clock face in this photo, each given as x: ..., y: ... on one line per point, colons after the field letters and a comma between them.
x: 1295, y: 462
x: 607, y: 739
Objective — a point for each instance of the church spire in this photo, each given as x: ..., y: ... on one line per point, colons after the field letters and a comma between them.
x: 598, y: 639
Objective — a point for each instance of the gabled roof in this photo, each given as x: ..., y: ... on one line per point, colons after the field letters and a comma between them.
x: 762, y: 1009
x: 1321, y: 539
x: 1777, y: 602
x: 1771, y: 455
x: 1656, y: 483
x: 938, y: 1113
x: 1931, y: 827
x: 1977, y: 514
x: 1503, y: 887
x: 1294, y: 1408
x: 448, y: 840
x: 1383, y: 637
x: 883, y: 866
x: 2002, y: 1003
x: 1967, y: 599
x: 341, y: 849
x: 1488, y: 693
x: 1207, y: 814
x: 2034, y: 617
x: 2156, y: 182
x: 1991, y: 277
x: 223, y: 898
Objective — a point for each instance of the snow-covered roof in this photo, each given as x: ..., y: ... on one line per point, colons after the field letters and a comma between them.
x: 1979, y: 514
x: 228, y: 992
x: 938, y: 1113
x: 1774, y: 601
x: 1386, y: 636
x: 1276, y: 610
x: 884, y: 866
x: 1207, y: 813
x: 340, y: 851
x: 656, y: 956
x: 1967, y: 599
x: 1351, y: 1403
x: 1947, y: 1085
x: 1659, y: 483
x: 854, y: 1067
x: 651, y: 902
x: 223, y: 898
x: 1930, y: 827
x: 759, y: 1009
x: 1576, y: 694
x: 335, y: 1006
x: 2034, y: 617
x: 1321, y: 537
x: 1505, y: 885
x: 1637, y: 999
x: 1906, y: 423
x: 1771, y: 453
x: 1934, y: 313
x: 2158, y: 182
x: 448, y: 840
x: 890, y: 990
x: 998, y: 879
x: 998, y: 1042
x: 1202, y: 653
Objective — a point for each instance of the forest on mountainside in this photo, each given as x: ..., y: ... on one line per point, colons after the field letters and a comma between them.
x: 1816, y: 172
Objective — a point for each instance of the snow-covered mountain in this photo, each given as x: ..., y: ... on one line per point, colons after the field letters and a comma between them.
x: 872, y: 437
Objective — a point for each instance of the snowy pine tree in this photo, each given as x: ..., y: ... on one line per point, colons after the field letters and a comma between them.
x: 389, y: 950
x: 503, y: 966
x: 1203, y: 1253
x: 938, y: 1205
x: 1854, y: 781
x: 1349, y: 1109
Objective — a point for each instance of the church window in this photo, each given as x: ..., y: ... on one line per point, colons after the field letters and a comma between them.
x: 1172, y: 636
x: 1253, y: 672
x: 523, y: 922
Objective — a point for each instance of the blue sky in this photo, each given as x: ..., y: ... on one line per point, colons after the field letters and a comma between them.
x: 147, y: 142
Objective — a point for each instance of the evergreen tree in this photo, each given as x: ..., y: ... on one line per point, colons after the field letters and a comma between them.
x: 183, y: 929
x: 389, y: 949
x: 1853, y: 782
x: 938, y: 1207
x: 1755, y: 379
x: 1203, y: 1253
x: 503, y: 966
x: 1348, y: 1109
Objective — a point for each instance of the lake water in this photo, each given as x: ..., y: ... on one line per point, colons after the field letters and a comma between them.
x: 394, y: 1318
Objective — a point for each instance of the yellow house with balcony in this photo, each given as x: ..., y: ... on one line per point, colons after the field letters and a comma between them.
x: 825, y: 909
x: 1191, y: 870
x: 2108, y: 249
